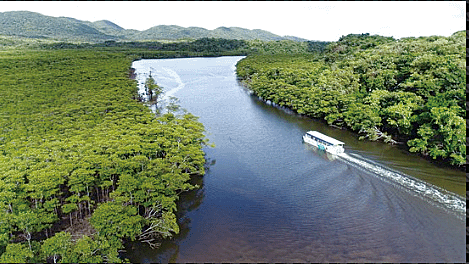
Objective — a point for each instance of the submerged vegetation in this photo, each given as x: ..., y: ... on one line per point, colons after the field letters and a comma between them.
x: 410, y: 91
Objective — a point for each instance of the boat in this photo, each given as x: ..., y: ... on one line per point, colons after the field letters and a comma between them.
x: 321, y: 153
x: 324, y: 142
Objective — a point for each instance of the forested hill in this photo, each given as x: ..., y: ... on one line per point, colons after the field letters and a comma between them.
x: 35, y: 25
x: 409, y: 91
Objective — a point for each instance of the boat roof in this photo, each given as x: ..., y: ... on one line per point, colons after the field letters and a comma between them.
x: 333, y: 141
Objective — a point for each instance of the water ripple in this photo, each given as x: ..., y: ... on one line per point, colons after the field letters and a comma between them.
x: 441, y: 197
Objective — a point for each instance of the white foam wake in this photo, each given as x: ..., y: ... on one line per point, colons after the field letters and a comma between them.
x: 422, y: 189
x: 174, y: 76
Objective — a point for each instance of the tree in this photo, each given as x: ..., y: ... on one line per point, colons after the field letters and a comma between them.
x: 113, y: 219
x: 16, y: 253
x: 85, y: 250
x: 173, y: 105
x: 57, y: 247
x: 153, y: 89
x: 361, y: 117
x: 441, y: 135
x: 29, y: 222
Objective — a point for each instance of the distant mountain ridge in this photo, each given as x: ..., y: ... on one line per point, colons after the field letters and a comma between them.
x: 35, y: 25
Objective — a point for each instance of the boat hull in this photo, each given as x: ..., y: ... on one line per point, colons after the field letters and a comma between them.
x: 330, y: 149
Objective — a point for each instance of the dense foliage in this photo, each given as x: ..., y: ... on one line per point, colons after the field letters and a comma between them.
x: 204, y: 47
x: 83, y: 164
x: 411, y: 90
x: 285, y: 47
x: 199, y: 45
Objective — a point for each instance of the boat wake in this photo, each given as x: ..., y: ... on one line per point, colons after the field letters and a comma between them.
x: 174, y: 76
x: 439, y: 197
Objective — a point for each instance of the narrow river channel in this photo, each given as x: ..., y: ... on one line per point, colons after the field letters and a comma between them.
x: 268, y: 197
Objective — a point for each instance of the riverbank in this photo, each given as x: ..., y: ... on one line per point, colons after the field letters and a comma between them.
x: 400, y: 143
x: 372, y: 93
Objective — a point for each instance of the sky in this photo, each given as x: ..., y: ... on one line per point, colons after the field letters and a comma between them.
x: 324, y: 21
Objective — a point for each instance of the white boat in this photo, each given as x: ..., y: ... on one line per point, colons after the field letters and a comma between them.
x: 324, y: 142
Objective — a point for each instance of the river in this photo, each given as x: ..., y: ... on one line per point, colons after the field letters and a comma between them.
x: 268, y: 197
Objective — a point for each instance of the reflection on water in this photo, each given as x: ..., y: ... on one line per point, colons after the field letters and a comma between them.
x: 271, y: 198
x: 321, y: 153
